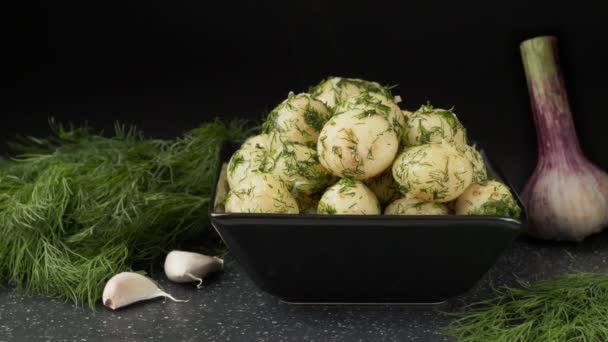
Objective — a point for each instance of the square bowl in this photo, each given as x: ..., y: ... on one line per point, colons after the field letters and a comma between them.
x: 309, y: 258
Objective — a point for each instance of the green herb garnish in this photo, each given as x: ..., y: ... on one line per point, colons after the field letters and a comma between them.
x: 504, y: 206
x: 77, y: 208
x: 325, y: 208
x: 570, y: 307
x: 314, y: 119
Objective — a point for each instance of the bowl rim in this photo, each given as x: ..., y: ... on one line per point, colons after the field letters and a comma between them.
x: 373, y: 217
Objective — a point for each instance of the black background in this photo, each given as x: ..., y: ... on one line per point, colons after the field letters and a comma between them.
x: 167, y: 67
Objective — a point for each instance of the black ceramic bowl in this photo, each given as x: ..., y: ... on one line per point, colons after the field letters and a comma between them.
x: 364, y: 259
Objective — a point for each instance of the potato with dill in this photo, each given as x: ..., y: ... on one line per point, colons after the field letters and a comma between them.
x: 411, y: 205
x: 299, y: 167
x: 334, y: 90
x: 430, y: 125
x: 384, y: 187
x: 433, y: 172
x: 383, y: 105
x: 261, y: 193
x: 264, y: 141
x: 244, y: 162
x: 479, y: 167
x: 349, y: 197
x: 359, y: 144
x: 406, y: 114
x: 299, y: 118
x: 487, y: 198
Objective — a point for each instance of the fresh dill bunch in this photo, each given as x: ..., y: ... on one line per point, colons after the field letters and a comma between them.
x: 78, y: 207
x: 570, y: 307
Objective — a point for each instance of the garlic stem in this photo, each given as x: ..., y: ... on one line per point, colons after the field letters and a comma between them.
x: 556, y: 135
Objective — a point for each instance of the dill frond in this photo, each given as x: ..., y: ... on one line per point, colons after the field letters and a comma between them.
x: 569, y: 307
x: 78, y: 207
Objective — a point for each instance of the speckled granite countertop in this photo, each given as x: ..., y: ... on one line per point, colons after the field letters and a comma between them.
x: 230, y: 308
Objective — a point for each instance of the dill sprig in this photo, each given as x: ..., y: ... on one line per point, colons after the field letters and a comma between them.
x: 78, y: 207
x: 569, y: 307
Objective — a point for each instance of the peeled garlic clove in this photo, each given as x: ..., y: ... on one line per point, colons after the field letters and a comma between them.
x: 184, y: 267
x: 127, y: 288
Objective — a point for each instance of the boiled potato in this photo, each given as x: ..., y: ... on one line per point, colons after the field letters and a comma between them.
x: 384, y: 187
x: 433, y: 172
x: 487, y: 198
x: 333, y: 90
x: 264, y: 141
x: 245, y: 162
x: 352, y: 129
x: 349, y: 197
x: 380, y: 104
x: 434, y: 125
x: 414, y: 206
x: 299, y: 119
x: 479, y: 167
x: 357, y: 144
x: 299, y: 167
x: 261, y: 193
x: 259, y: 141
x: 407, y: 114
x: 221, y: 190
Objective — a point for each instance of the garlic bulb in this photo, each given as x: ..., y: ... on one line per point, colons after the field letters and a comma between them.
x: 567, y: 196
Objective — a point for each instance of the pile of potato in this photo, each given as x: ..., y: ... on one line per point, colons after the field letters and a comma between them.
x: 348, y: 148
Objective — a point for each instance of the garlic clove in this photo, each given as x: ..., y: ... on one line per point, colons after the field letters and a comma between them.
x: 185, y: 267
x: 127, y: 288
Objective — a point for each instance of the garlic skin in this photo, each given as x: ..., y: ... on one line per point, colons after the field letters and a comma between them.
x: 567, y: 203
x: 185, y: 267
x: 127, y: 288
x: 566, y: 196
